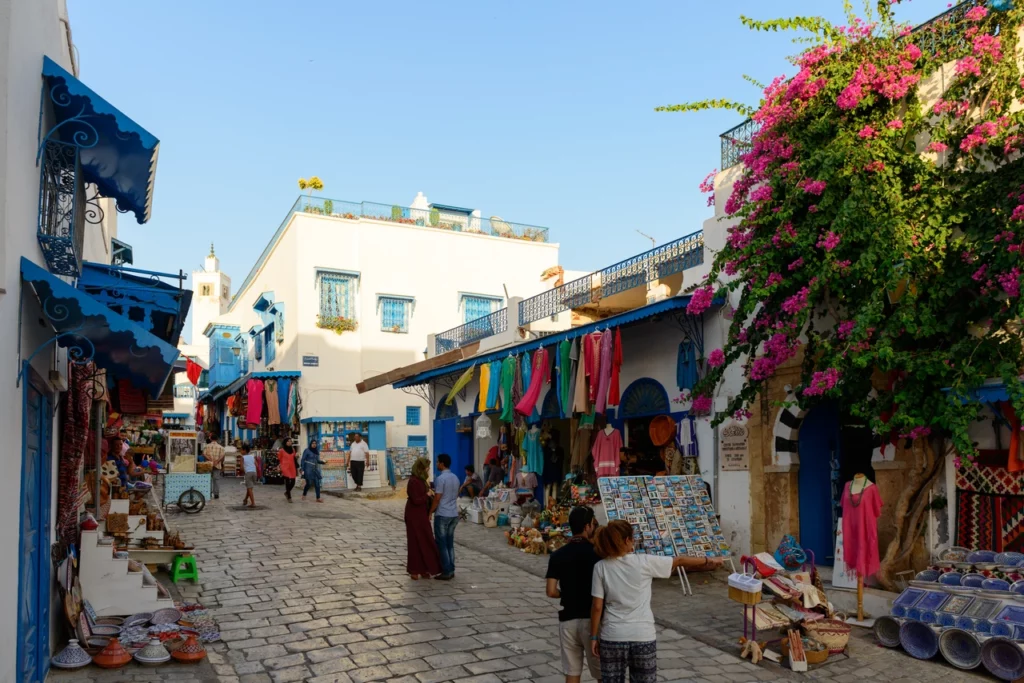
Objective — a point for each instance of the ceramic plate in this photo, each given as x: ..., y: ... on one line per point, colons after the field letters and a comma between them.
x: 140, y: 619
x: 956, y: 604
x: 982, y: 609
x: 932, y: 601
x: 982, y: 556
x: 927, y: 575
x: 972, y: 580
x: 106, y: 631
x: 166, y: 616
x: 1014, y: 613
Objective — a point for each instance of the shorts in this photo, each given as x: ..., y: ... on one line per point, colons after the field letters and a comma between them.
x: 574, y: 636
x: 250, y: 480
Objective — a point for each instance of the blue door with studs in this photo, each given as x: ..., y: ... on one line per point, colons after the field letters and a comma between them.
x: 34, y: 539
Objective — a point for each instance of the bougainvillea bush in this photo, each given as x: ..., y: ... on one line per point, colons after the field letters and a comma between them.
x: 878, y: 222
x: 880, y: 214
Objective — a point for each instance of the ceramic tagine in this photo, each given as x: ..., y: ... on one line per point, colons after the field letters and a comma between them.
x: 71, y: 657
x: 152, y: 654
x: 191, y: 651
x: 113, y: 656
x: 89, y: 523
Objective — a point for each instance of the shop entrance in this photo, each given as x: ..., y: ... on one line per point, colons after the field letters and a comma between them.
x: 820, y: 460
x: 449, y: 439
x: 34, y: 558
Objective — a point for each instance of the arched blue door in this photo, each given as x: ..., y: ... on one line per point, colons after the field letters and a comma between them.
x: 448, y: 440
x: 820, y: 445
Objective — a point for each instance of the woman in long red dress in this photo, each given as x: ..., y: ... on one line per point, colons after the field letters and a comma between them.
x: 424, y: 559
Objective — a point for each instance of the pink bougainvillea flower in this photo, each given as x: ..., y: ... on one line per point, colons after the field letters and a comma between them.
x: 979, y: 274
x: 937, y: 147
x: 742, y: 414
x: 895, y: 124
x: 701, y: 300
x: 988, y: 45
x: 701, y: 405
x: 1018, y: 213
x: 822, y: 382
x: 797, y: 302
x: 1010, y: 282
x: 813, y: 186
x: 773, y: 279
x: 829, y: 241
x: 968, y: 65
x: 716, y: 358
x: 813, y: 208
x: 845, y: 328
x: 976, y: 14
x: 867, y: 132
x: 796, y: 264
x: 875, y: 166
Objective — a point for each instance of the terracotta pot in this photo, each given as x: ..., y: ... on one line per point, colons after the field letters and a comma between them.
x: 191, y: 651
x: 113, y: 656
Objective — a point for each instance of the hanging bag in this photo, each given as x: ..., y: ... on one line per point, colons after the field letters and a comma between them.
x: 789, y: 554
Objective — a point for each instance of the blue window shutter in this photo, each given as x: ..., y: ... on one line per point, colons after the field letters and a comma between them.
x: 336, y: 292
x: 417, y: 441
x: 394, y: 314
x: 412, y: 415
x: 477, y: 307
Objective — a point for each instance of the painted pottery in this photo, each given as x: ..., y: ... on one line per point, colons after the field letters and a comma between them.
x: 919, y: 640
x: 113, y: 656
x: 153, y: 654
x: 1009, y: 558
x: 982, y: 626
x: 165, y: 616
x: 1003, y: 629
x: 954, y: 553
x: 982, y: 556
x: 914, y: 614
x: 951, y: 579
x: 191, y: 651
x: 89, y: 523
x: 964, y: 623
x: 110, y: 621
x: 1003, y: 658
x: 947, y: 620
x: 995, y: 585
x: 887, y: 631
x: 932, y: 601
x: 71, y: 657
x: 973, y: 580
x: 139, y: 619
x: 106, y: 630
x: 928, y: 575
x: 928, y: 616
x: 960, y: 648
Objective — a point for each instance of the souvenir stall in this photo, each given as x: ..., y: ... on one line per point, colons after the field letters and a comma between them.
x: 188, y: 481
x: 262, y: 409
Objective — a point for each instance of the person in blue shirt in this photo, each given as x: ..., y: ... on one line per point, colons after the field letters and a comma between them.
x: 446, y: 515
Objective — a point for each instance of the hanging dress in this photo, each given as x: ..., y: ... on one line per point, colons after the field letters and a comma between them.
x: 538, y: 376
x: 606, y: 453
x: 860, y: 529
x: 508, y: 378
x: 495, y: 385
x: 604, y: 373
x: 273, y: 404
x: 580, y: 404
x: 613, y: 390
x: 485, y: 386
x: 284, y: 389
x: 254, y: 409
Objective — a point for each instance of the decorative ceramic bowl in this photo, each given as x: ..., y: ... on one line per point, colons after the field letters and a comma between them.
x: 191, y: 651
x: 113, y: 656
x: 173, y: 644
x: 110, y: 621
x: 928, y: 617
x: 71, y: 657
x: 985, y: 566
x: 982, y: 556
x: 919, y: 640
x: 951, y: 579
x: 972, y: 580
x: 121, y: 555
x: 928, y: 575
x: 1003, y: 658
x: 1009, y: 558
x: 1004, y: 629
x: 960, y: 648
x: 983, y: 627
x: 964, y: 623
x: 947, y: 620
x: 165, y: 616
x: 106, y: 630
x: 995, y: 585
x: 153, y: 654
x: 954, y: 553
x: 914, y: 614
x: 140, y: 619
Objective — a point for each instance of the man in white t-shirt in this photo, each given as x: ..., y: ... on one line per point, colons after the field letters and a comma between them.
x: 357, y: 453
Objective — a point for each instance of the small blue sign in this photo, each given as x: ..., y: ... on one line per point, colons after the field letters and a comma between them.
x: 311, y: 361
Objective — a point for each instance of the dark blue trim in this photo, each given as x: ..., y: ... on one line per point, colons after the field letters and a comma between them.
x: 91, y: 331
x: 667, y: 306
x: 176, y: 416
x: 264, y: 302
x: 986, y: 393
x: 116, y: 154
x: 379, y: 418
x: 448, y: 207
x: 637, y: 400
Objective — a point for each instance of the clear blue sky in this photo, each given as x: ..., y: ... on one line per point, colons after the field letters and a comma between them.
x: 541, y: 113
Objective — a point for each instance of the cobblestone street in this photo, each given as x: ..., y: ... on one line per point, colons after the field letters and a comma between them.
x: 308, y: 592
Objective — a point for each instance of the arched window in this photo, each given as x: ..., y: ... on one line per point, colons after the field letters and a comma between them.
x: 644, y: 398
x: 446, y: 412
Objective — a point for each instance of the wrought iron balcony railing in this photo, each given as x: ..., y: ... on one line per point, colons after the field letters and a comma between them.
x: 736, y: 142
x: 428, y: 218
x: 474, y: 330
x: 668, y: 259
x: 61, y: 231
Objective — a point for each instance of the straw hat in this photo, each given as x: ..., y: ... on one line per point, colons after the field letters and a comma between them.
x: 662, y: 430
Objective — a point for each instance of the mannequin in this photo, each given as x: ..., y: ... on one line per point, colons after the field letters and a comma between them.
x: 861, y: 507
x: 606, y: 451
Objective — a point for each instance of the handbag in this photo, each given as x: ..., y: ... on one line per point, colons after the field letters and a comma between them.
x: 789, y: 554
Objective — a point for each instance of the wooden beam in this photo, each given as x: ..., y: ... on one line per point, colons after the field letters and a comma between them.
x: 398, y: 374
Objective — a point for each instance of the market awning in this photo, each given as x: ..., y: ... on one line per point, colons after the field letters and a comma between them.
x: 266, y: 374
x: 91, y: 331
x: 992, y: 392
x: 675, y: 304
x: 379, y: 418
x: 116, y: 154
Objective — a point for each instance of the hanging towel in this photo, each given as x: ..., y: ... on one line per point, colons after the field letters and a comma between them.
x: 613, y: 390
x: 254, y: 409
x: 686, y: 367
x: 565, y: 378
x: 508, y: 378
x: 460, y: 384
x: 273, y: 405
x: 527, y: 363
x: 604, y: 373
x: 284, y: 389
x: 574, y: 358
x: 580, y: 402
x: 594, y: 364
x: 538, y: 376
x: 485, y: 385
x: 494, y: 386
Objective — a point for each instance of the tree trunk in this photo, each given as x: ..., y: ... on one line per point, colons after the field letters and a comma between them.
x: 911, y: 507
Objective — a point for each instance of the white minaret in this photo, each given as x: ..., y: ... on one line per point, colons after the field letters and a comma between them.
x: 211, y: 295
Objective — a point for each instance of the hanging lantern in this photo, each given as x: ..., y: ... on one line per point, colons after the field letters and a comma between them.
x: 483, y: 427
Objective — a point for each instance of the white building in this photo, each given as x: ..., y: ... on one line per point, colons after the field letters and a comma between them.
x: 344, y: 291
x: 66, y: 156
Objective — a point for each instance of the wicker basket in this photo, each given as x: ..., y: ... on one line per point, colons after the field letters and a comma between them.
x: 117, y: 523
x: 813, y: 656
x: 834, y: 633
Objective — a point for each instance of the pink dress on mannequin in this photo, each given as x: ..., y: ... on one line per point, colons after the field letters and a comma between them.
x: 860, y: 529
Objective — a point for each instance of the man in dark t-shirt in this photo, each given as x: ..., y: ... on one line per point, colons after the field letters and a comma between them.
x: 570, y: 570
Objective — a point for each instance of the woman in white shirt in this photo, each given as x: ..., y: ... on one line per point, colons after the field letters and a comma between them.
x: 622, y: 629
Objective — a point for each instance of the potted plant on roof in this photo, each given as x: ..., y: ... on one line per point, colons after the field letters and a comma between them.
x: 313, y: 184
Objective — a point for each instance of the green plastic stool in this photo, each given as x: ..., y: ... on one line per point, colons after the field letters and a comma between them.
x: 184, y: 567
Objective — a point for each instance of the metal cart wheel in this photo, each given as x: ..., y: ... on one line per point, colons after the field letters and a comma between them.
x: 191, y: 501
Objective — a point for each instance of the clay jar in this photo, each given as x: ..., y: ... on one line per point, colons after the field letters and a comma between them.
x: 113, y: 656
x: 191, y: 651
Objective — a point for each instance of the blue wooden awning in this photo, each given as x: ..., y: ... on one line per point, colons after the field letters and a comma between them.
x: 116, y: 154
x: 91, y: 331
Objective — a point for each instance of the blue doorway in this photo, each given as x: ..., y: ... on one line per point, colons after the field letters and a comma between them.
x: 820, y: 461
x: 34, y: 537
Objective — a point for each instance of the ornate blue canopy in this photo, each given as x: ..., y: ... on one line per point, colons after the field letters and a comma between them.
x: 116, y: 154
x: 91, y: 331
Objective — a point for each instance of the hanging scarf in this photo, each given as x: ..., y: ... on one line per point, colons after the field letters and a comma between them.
x: 193, y: 371
x: 460, y: 384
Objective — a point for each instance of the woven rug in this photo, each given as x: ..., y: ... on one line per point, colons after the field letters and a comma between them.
x: 988, y: 522
x: 987, y: 479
